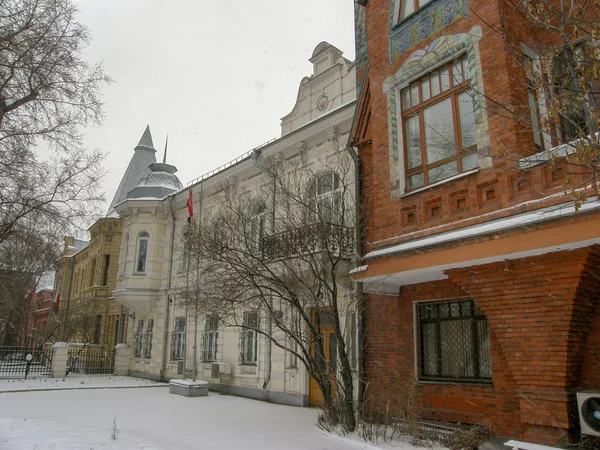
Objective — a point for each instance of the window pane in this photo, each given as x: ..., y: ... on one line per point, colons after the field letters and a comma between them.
x: 405, y: 95
x: 332, y: 353
x: 445, y: 79
x: 429, y: 354
x: 439, y: 131
x: 457, y: 73
x: 435, y: 83
x: 408, y: 7
x: 470, y: 162
x: 467, y: 120
x: 423, y: 3
x: 425, y: 89
x: 141, y: 265
x: 416, y: 181
x: 444, y: 171
x: 483, y: 338
x: 457, y: 349
x: 414, y: 94
x: 413, y: 142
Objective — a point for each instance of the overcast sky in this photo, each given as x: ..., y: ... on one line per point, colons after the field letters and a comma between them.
x: 216, y: 76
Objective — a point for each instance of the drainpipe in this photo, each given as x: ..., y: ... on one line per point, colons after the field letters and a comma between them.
x: 69, y: 292
x: 359, y: 286
x: 255, y: 155
x: 163, y: 355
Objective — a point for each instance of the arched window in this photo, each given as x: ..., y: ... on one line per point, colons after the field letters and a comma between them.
x: 257, y: 227
x: 142, y: 252
x: 325, y: 198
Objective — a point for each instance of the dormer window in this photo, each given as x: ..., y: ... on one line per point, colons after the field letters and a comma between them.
x: 142, y: 252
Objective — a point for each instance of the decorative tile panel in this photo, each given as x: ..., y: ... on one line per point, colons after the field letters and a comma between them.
x: 431, y: 18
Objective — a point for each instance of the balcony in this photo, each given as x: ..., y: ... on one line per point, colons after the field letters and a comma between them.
x: 316, y: 237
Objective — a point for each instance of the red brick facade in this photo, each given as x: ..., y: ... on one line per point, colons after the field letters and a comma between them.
x: 537, y: 283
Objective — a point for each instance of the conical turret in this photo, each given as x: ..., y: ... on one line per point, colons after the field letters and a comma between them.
x: 139, y: 166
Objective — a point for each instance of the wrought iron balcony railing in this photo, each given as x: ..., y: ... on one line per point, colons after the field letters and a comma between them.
x: 316, y: 237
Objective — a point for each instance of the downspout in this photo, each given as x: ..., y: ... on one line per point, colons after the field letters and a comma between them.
x: 255, y: 155
x: 359, y: 250
x: 69, y: 292
x: 163, y: 356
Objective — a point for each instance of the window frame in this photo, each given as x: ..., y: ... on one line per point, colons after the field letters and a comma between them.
x: 137, y: 349
x: 143, y: 236
x: 210, y: 346
x: 178, y: 338
x: 318, y: 201
x: 417, y: 5
x: 417, y: 108
x: 257, y: 221
x: 147, y: 339
x: 478, y: 367
x: 249, y: 333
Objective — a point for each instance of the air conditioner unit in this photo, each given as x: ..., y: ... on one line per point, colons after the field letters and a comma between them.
x: 180, y: 367
x: 588, y: 404
x: 220, y: 368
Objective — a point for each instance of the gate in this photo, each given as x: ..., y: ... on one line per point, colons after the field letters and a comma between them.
x: 84, y: 359
x: 20, y: 362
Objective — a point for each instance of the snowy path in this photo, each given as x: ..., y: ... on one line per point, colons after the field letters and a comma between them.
x: 153, y: 419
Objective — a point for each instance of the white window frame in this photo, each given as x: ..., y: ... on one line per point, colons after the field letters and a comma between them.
x: 257, y: 227
x: 143, y: 237
x: 178, y: 338
x: 210, y: 346
x: 249, y: 339
x: 324, y: 206
x: 147, y: 341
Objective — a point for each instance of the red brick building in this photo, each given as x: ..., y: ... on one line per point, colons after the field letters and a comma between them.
x: 480, y: 275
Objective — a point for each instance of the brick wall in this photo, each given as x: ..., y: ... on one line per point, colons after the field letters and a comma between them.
x: 541, y: 315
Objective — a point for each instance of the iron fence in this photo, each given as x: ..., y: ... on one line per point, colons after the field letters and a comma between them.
x: 20, y: 362
x: 90, y: 360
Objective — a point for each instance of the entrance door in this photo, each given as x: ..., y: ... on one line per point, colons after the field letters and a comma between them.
x: 328, y: 360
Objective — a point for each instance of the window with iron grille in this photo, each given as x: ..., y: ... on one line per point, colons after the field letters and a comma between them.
x: 177, y: 339
x: 209, y: 339
x: 438, y: 123
x: 137, y: 351
x: 454, y: 342
x: 147, y: 341
x: 248, y: 338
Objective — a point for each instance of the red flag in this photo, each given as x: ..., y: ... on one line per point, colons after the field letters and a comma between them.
x: 56, y: 301
x: 190, y: 204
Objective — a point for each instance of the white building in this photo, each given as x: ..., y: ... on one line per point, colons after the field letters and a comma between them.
x: 151, y: 268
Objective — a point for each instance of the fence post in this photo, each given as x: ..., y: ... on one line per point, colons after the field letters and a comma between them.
x: 60, y: 352
x: 122, y: 358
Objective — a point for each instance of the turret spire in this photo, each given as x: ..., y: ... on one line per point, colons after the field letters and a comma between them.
x: 165, y: 154
x: 146, y: 140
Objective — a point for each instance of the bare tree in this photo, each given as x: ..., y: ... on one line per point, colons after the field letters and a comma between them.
x: 48, y: 93
x: 274, y: 263
x: 24, y: 257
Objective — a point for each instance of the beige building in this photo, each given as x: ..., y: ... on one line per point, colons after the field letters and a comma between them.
x: 152, y: 271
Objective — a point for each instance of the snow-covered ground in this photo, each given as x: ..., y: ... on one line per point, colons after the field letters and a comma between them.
x: 81, y: 417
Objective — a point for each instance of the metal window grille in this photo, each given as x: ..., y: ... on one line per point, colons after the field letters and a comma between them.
x: 209, y: 339
x: 147, y: 342
x: 454, y: 342
x: 177, y: 339
x: 137, y: 351
x: 248, y: 338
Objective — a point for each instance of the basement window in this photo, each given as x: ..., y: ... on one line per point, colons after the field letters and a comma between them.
x: 454, y: 342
